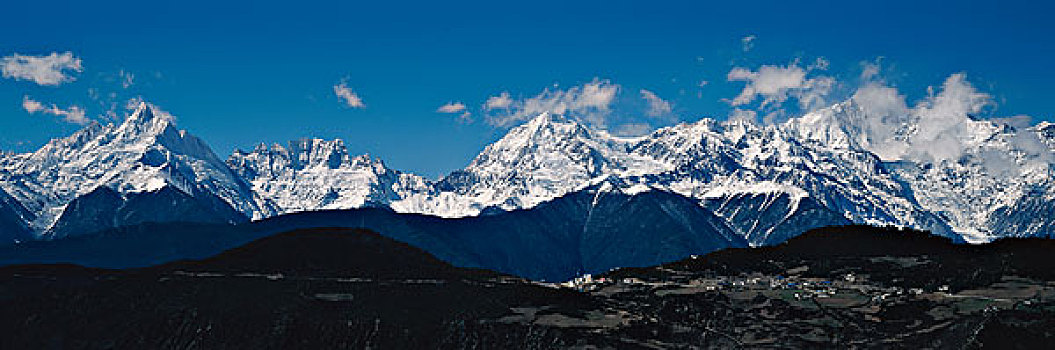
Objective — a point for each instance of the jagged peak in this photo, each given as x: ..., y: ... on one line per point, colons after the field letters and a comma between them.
x: 703, y: 124
x: 259, y: 148
x: 706, y: 122
x: 314, y: 152
x: 305, y: 143
x: 739, y: 122
x: 147, y: 123
x: 546, y: 127
x: 146, y: 113
x: 142, y: 112
x: 78, y: 138
x: 366, y: 158
x: 314, y: 145
x: 548, y: 118
x: 1045, y: 126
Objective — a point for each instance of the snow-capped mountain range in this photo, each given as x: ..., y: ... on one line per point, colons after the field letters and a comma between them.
x: 769, y: 182
x: 314, y: 174
x: 144, y: 154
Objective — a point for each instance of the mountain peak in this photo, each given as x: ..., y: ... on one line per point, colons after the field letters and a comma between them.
x: 547, y: 127
x: 1045, y: 126
x: 141, y: 155
x: 144, y: 113
x: 145, y: 120
x: 547, y: 118
x: 305, y: 153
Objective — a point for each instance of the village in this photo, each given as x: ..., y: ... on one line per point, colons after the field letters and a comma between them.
x: 847, y: 290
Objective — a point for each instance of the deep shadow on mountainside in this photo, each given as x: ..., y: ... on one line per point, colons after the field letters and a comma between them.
x: 589, y: 231
x: 850, y: 286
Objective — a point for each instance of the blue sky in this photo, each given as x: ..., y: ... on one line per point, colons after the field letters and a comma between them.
x: 241, y: 73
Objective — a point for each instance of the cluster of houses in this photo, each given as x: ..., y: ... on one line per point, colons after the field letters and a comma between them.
x: 803, y: 287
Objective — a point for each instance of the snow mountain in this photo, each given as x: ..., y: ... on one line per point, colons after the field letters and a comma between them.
x: 972, y: 180
x: 13, y: 220
x: 776, y: 181
x: 142, y: 170
x: 314, y: 174
x: 769, y: 181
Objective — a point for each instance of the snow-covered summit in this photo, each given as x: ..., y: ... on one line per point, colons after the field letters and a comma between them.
x: 143, y: 154
x: 316, y: 174
x: 952, y: 174
x: 845, y: 159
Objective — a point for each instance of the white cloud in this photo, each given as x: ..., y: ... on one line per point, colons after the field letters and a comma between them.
x: 465, y: 118
x: 942, y: 118
x: 870, y: 70
x: 814, y: 92
x: 452, y: 107
x: 886, y: 113
x: 31, y: 106
x: 127, y: 78
x: 1030, y: 142
x: 820, y: 63
x: 589, y: 102
x: 346, y: 96
x: 957, y: 98
x: 457, y: 107
x: 502, y: 101
x: 633, y: 129
x: 51, y: 70
x: 880, y: 100
x: 772, y: 83
x: 656, y: 106
x: 743, y: 115
x: 748, y: 42
x: 73, y: 114
x: 775, y: 84
x: 935, y: 129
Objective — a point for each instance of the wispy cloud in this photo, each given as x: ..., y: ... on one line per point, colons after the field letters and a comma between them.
x: 943, y: 116
x: 820, y: 63
x: 772, y: 83
x: 127, y: 78
x: 31, y: 106
x: 743, y: 115
x: 589, y: 102
x: 52, y: 70
x: 633, y: 129
x: 452, y: 107
x: 870, y: 70
x: 72, y: 114
x: 939, y: 126
x: 656, y: 106
x: 346, y: 96
x: 748, y: 42
x: 776, y: 84
x: 501, y: 101
x: 457, y: 107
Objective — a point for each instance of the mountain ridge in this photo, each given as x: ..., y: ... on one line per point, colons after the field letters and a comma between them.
x: 587, y: 231
x: 831, y: 161
x: 144, y: 154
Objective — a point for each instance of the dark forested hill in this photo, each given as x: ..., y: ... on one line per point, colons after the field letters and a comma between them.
x: 838, y: 287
